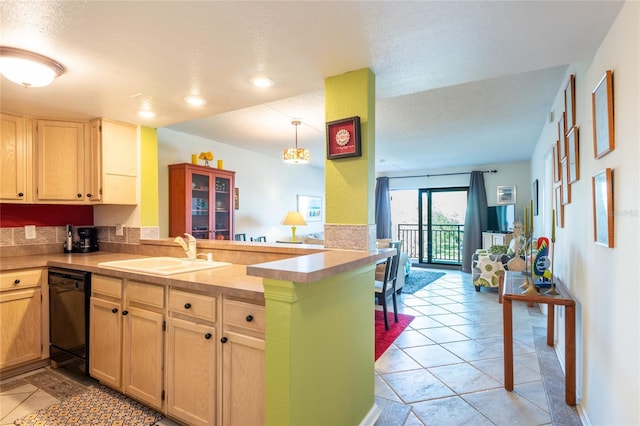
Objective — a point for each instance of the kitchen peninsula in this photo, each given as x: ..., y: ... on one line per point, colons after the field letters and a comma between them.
x: 310, y: 307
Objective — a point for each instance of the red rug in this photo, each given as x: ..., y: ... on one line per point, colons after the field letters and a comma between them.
x: 384, y: 338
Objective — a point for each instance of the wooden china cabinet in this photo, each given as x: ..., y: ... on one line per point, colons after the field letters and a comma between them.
x: 201, y: 201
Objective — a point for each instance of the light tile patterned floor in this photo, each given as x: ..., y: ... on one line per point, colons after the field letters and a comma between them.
x: 446, y: 368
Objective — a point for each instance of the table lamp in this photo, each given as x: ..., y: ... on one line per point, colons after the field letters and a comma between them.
x: 293, y: 219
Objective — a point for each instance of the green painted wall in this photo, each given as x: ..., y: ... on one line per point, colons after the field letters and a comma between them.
x: 350, y: 182
x: 149, y: 206
x: 319, y: 350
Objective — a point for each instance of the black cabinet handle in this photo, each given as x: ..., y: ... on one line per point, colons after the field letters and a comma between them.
x: 79, y: 195
x: 125, y: 312
x: 114, y: 310
x: 224, y: 340
x: 88, y: 195
x: 17, y: 281
x: 187, y: 305
x: 20, y: 194
x: 208, y: 336
x: 249, y: 318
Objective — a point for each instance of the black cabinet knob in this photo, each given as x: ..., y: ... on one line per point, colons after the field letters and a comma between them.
x: 249, y: 318
x: 224, y: 340
x: 208, y: 336
x: 20, y: 194
x: 79, y: 195
x: 17, y: 281
x: 88, y: 195
x: 187, y: 305
x: 125, y: 312
x: 114, y: 310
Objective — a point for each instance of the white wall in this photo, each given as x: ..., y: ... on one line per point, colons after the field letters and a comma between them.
x: 517, y: 174
x: 604, y: 280
x: 267, y: 186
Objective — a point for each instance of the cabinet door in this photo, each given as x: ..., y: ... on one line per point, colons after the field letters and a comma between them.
x: 487, y: 240
x: 60, y: 161
x: 191, y: 372
x: 93, y: 162
x: 14, y: 155
x: 143, y: 355
x: 20, y: 314
x: 105, y: 339
x: 242, y: 380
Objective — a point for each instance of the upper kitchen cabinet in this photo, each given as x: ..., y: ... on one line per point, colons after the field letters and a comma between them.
x: 201, y: 201
x: 78, y: 162
x: 112, y: 177
x: 15, y: 156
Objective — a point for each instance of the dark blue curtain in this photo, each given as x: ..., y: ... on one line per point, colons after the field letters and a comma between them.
x: 475, y: 220
x: 383, y: 208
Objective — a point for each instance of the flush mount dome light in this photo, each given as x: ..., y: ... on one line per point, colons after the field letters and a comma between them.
x: 28, y: 69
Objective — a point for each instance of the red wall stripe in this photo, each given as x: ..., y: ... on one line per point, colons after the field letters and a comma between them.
x: 13, y: 215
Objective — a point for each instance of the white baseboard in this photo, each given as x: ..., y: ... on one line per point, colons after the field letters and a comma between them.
x: 372, y: 416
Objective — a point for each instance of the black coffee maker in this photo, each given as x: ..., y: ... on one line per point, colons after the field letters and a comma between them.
x: 88, y: 240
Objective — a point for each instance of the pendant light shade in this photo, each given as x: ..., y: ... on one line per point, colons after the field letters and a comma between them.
x: 296, y: 155
x: 27, y: 68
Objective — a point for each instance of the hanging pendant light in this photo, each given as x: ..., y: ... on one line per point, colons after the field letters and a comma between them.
x: 28, y: 69
x: 296, y: 155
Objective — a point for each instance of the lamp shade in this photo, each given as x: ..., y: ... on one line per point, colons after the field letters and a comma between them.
x: 293, y: 219
x: 27, y: 68
x: 296, y: 155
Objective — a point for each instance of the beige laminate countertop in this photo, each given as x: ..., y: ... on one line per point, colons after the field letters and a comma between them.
x: 235, y: 280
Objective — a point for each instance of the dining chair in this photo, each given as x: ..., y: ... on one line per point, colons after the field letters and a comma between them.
x: 260, y: 239
x: 387, y: 287
x: 240, y: 237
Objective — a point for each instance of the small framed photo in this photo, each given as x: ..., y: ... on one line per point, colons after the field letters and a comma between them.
x: 506, y: 194
x: 534, y: 193
x: 570, y: 101
x: 566, y: 187
x: 310, y: 207
x: 602, y: 187
x: 343, y: 138
x: 573, y: 154
x: 562, y: 136
x: 559, y: 207
x: 557, y: 171
x: 602, y: 109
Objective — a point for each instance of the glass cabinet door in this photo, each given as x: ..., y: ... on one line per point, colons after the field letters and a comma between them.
x: 223, y: 209
x: 200, y: 202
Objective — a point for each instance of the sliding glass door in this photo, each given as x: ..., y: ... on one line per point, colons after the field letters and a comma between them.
x: 441, y: 213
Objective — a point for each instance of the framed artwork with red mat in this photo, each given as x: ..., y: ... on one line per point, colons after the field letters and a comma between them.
x: 384, y: 338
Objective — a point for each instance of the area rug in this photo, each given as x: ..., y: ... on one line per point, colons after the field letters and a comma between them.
x: 419, y: 278
x: 97, y: 406
x: 384, y: 338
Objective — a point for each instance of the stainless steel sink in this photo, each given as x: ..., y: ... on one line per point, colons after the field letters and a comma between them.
x: 162, y: 265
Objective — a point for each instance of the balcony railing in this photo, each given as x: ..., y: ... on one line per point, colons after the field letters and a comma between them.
x: 445, y: 243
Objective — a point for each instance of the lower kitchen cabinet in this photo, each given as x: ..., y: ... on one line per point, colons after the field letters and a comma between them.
x: 105, y: 340
x: 21, y: 317
x: 191, y: 372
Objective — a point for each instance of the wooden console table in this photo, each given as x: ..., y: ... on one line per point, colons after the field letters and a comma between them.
x: 511, y: 292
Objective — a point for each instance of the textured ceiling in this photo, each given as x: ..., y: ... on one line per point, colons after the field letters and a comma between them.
x: 451, y: 77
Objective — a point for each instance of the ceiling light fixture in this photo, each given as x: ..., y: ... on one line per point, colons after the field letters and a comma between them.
x: 296, y: 155
x: 195, y: 100
x: 262, y: 82
x: 28, y: 69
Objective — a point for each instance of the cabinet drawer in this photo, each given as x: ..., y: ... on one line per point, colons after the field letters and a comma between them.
x: 148, y: 294
x: 192, y: 304
x: 22, y: 278
x: 107, y: 286
x: 243, y: 315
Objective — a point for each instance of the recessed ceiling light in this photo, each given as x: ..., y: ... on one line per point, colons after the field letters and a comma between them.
x: 195, y: 100
x: 147, y: 114
x: 262, y: 82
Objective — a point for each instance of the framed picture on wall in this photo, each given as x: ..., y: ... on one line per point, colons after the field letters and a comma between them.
x: 562, y: 137
x: 559, y: 207
x: 534, y: 194
x: 602, y: 187
x: 570, y: 101
x: 343, y: 138
x: 556, y: 162
x: 311, y: 207
x: 602, y: 109
x: 573, y: 155
x: 566, y: 187
x: 506, y: 194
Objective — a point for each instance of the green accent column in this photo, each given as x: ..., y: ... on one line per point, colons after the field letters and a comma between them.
x: 319, y: 366
x: 149, y: 209
x: 350, y: 182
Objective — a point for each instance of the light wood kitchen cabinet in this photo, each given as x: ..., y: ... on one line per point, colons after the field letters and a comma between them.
x: 15, y: 155
x: 21, y: 317
x: 201, y: 201
x: 495, y: 239
x: 242, y: 363
x: 60, y: 161
x: 105, y: 336
x: 112, y: 162
x: 192, y: 357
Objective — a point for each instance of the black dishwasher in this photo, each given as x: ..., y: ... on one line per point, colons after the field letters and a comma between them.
x: 69, y: 294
